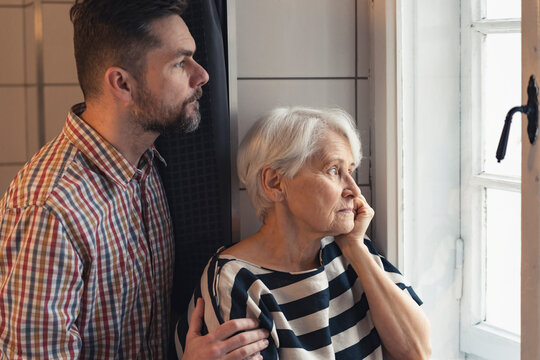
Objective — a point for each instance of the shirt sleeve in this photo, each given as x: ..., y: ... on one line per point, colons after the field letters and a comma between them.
x: 239, y: 293
x: 40, y: 287
x: 230, y: 292
x: 392, y: 272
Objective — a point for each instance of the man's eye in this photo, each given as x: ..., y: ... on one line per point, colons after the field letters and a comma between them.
x: 180, y: 64
x: 333, y: 171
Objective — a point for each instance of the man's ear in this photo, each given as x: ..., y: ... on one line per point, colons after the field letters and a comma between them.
x: 272, y: 182
x: 120, y: 83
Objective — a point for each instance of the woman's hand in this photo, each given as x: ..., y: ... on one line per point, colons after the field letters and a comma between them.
x: 362, y: 218
x: 402, y: 326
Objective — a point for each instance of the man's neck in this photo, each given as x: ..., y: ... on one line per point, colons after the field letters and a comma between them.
x: 126, y: 136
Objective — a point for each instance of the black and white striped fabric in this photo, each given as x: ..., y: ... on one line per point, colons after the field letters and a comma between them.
x: 317, y: 314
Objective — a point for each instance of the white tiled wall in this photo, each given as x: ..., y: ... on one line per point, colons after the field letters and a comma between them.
x: 313, y: 38
x: 20, y: 87
x: 58, y: 99
x: 11, y: 2
x: 12, y: 41
x: 362, y: 37
x: 30, y: 45
x: 12, y: 91
x: 258, y: 96
x: 302, y: 52
x: 13, y: 134
x: 58, y: 58
x: 32, y: 136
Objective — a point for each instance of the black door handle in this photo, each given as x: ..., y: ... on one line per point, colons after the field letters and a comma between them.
x: 531, y: 110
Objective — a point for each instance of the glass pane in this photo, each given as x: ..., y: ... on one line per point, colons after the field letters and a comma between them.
x: 503, y: 221
x: 502, y: 81
x: 503, y: 9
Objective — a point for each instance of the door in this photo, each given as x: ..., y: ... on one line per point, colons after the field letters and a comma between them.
x: 530, y: 194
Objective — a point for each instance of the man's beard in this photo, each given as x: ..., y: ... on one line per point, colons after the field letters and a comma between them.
x: 152, y: 115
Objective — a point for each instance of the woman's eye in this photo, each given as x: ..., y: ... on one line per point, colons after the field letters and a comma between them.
x: 333, y: 171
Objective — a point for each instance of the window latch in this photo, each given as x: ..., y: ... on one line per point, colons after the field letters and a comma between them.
x: 531, y: 110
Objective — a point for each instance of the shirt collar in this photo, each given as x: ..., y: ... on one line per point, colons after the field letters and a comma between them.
x: 102, y: 153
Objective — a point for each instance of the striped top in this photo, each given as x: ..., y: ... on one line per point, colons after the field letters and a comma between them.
x: 317, y: 314
x: 86, y: 253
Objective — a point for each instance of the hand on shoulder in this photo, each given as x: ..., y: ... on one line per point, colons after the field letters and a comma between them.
x: 234, y: 340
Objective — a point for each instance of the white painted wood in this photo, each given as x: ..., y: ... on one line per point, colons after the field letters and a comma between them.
x: 477, y: 339
x: 497, y: 26
x: 232, y: 69
x: 496, y: 182
x: 385, y: 155
x: 428, y: 109
x: 501, y: 345
x: 472, y: 300
x: 530, y: 206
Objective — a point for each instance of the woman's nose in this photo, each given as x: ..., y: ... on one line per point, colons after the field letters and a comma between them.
x: 350, y: 188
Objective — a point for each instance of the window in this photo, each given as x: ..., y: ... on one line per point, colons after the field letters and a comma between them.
x: 490, y: 191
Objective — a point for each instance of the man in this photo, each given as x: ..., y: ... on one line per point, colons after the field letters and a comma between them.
x: 85, y: 233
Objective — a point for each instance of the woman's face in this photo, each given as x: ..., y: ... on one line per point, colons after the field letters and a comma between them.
x: 320, y: 196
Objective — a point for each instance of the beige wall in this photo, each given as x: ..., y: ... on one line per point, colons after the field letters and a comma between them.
x: 302, y: 52
x: 38, y: 81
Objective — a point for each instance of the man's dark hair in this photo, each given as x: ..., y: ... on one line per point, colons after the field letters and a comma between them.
x: 115, y: 33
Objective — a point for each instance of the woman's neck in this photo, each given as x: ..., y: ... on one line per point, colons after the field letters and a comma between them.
x: 279, y: 245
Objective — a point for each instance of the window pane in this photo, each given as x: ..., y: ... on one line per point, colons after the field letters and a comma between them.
x: 503, y: 221
x: 502, y: 81
x: 503, y: 9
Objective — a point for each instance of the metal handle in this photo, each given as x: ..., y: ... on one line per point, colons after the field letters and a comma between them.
x: 531, y: 110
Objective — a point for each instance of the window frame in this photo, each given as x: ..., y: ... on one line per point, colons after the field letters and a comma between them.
x: 477, y: 337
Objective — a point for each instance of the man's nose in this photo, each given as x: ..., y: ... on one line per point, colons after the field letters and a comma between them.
x: 199, y: 76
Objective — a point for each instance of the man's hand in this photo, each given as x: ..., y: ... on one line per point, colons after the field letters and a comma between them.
x: 234, y: 340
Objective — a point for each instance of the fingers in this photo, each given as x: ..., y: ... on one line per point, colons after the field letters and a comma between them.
x: 231, y: 327
x: 239, y: 339
x: 246, y: 341
x: 361, y: 206
x: 248, y: 350
x: 195, y: 322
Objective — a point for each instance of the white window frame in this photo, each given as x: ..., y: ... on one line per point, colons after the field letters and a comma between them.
x: 477, y: 337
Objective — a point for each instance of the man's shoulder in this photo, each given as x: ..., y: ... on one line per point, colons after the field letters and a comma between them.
x: 41, y: 176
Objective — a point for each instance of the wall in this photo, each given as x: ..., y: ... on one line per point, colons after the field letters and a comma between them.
x: 38, y: 81
x: 306, y: 52
x: 302, y: 52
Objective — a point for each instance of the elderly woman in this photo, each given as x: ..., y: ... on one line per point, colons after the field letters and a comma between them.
x: 309, y: 275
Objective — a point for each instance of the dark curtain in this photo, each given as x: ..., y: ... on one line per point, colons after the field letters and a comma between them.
x: 197, y: 175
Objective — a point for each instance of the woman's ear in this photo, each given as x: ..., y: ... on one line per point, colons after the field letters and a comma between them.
x: 119, y: 83
x: 272, y: 182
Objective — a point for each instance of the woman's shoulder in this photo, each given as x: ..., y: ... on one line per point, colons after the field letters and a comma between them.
x: 245, y: 253
x: 240, y: 249
x: 231, y: 262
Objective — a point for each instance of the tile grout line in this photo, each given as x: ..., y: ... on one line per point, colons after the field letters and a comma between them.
x: 38, y: 32
x: 25, y: 71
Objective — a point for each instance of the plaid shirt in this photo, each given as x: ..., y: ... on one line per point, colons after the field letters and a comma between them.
x: 86, y: 253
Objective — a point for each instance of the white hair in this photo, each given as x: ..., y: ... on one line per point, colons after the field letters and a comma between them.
x: 284, y: 139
